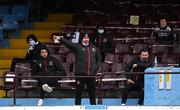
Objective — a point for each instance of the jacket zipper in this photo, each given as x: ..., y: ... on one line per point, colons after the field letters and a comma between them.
x: 100, y: 38
x: 89, y: 59
x: 45, y: 64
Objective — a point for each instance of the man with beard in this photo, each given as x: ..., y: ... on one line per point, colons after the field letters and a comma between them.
x: 136, y: 81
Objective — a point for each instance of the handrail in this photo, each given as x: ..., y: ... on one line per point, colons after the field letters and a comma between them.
x: 98, y: 78
x: 116, y: 27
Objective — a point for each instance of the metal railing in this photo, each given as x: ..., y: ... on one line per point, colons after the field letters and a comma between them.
x: 100, y: 79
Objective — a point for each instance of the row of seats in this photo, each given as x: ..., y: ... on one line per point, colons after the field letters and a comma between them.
x: 24, y: 70
x: 128, y: 47
x: 10, y: 20
x: 20, y: 12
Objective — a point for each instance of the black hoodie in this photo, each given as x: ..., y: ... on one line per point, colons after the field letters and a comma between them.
x: 47, y: 66
x: 33, y: 54
x: 103, y: 41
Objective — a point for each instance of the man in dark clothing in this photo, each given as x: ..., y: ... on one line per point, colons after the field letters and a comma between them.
x: 136, y: 81
x: 101, y: 39
x: 32, y: 54
x: 88, y: 61
x: 163, y: 33
x: 47, y: 66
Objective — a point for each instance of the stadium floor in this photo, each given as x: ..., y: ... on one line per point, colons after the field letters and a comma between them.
x: 61, y: 101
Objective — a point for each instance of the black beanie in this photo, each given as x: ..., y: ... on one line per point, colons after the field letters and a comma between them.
x: 82, y: 35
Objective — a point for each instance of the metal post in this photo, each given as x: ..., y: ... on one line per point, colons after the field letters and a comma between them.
x: 14, y: 91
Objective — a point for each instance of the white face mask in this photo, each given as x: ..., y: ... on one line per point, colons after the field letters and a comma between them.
x: 32, y: 42
x: 100, y: 31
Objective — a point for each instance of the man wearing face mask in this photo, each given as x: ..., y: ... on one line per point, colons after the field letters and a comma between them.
x: 163, y: 33
x: 136, y: 81
x: 88, y: 61
x: 101, y: 39
x: 32, y: 52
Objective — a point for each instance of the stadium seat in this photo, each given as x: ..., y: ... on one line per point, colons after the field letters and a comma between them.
x: 9, y: 23
x: 59, y: 57
x: 177, y: 49
x: 4, y: 10
x: 109, y: 58
x: 21, y: 13
x: 157, y: 49
x: 122, y: 48
x: 169, y: 59
x: 127, y: 58
x: 1, y: 34
x: 138, y: 47
x: 8, y: 83
x: 24, y: 70
x: 118, y: 67
x: 70, y: 58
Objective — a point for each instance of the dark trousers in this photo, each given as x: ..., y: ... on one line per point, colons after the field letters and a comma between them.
x: 91, y: 87
x: 18, y: 60
x: 131, y: 87
x: 103, y: 56
x: 50, y: 82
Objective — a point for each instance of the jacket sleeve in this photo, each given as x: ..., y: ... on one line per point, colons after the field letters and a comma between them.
x: 98, y: 59
x: 145, y: 65
x: 27, y: 56
x: 128, y: 68
x: 60, y: 68
x: 35, y: 69
x: 68, y: 44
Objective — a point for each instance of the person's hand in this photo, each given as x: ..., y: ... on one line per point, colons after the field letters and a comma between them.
x: 56, y: 38
x: 30, y: 48
x: 130, y: 81
x: 134, y: 65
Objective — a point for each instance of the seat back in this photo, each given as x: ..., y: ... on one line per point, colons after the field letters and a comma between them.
x: 4, y: 10
x: 20, y: 12
x: 8, y: 83
x: 122, y: 48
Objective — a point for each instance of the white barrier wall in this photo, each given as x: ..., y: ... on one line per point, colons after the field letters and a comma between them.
x: 92, y: 108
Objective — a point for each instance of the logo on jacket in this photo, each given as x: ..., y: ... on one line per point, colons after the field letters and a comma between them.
x: 40, y: 65
x: 105, y: 40
x: 83, y: 49
x: 93, y: 49
x: 50, y: 63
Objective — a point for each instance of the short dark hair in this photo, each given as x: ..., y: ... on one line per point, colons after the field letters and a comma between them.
x: 144, y: 50
x: 43, y: 47
x: 31, y: 36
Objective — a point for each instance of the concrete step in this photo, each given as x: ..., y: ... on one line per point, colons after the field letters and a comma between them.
x: 11, y: 53
x: 5, y: 63
x: 22, y: 44
x: 48, y: 25
x: 60, y: 17
x: 39, y: 33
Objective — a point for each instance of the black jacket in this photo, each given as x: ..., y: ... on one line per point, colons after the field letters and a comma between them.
x: 141, y: 66
x: 104, y: 42
x: 34, y: 53
x: 87, y: 58
x: 47, y: 67
x: 163, y: 35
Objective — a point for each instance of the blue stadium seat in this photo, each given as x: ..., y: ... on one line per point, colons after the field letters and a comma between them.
x: 4, y: 10
x: 21, y: 13
x: 9, y: 23
x: 1, y: 34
